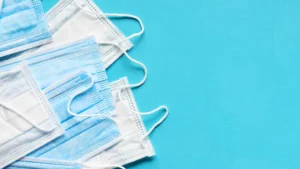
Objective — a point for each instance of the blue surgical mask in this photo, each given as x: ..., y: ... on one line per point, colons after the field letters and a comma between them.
x: 84, y: 137
x: 62, y: 62
x: 22, y: 26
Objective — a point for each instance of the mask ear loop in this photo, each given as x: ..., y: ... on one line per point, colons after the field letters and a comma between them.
x: 119, y: 15
x: 21, y: 115
x: 134, y: 61
x: 158, y: 122
x: 124, y: 51
x: 86, y: 115
x: 162, y: 119
x: 118, y: 43
x: 96, y: 166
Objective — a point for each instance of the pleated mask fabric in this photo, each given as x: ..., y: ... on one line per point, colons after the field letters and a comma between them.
x: 23, y: 25
x: 83, y: 137
x: 132, y: 128
x: 27, y: 121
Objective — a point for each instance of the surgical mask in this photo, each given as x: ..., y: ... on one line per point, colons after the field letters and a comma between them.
x: 27, y: 121
x: 65, y: 59
x: 22, y: 26
x: 84, y: 136
x: 75, y: 19
x: 136, y: 143
x: 87, y: 133
x: 94, y: 98
x: 83, y: 55
x: 79, y: 55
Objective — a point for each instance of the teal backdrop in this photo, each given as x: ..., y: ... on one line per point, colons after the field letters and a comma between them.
x: 229, y: 72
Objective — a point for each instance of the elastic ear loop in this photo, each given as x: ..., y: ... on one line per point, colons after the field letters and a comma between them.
x: 149, y: 113
x: 127, y: 38
x: 83, y: 91
x: 121, y: 15
x: 21, y: 115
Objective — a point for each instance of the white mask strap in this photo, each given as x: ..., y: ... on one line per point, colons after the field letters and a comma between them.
x: 96, y: 166
x: 87, y: 115
x: 158, y: 122
x: 124, y: 51
x: 134, y: 61
x: 117, y: 44
x: 25, y: 118
x: 119, y: 15
x: 149, y: 113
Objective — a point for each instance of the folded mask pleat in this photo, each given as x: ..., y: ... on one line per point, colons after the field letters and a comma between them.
x: 22, y: 26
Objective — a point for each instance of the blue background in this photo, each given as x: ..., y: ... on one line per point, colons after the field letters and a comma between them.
x: 229, y: 72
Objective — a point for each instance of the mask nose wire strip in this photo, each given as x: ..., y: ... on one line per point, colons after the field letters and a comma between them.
x: 21, y: 115
x: 86, y: 115
x: 149, y: 113
x: 96, y: 166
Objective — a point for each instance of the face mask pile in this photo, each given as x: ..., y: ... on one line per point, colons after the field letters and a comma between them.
x: 57, y: 107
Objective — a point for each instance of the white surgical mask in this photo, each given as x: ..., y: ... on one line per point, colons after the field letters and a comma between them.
x: 72, y: 20
x: 136, y: 143
x: 27, y: 121
x: 75, y: 19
